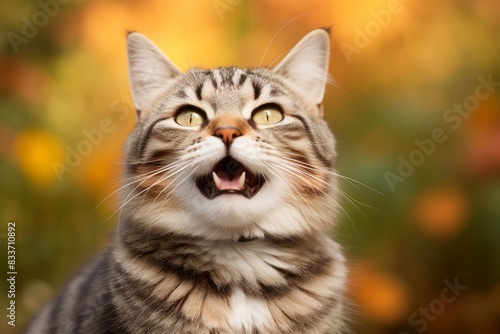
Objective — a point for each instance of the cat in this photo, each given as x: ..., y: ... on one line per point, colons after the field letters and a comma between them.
x: 227, y: 205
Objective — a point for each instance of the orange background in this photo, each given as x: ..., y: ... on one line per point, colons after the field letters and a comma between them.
x: 399, y: 66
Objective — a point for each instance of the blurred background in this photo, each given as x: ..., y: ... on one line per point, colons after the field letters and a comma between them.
x: 415, y: 109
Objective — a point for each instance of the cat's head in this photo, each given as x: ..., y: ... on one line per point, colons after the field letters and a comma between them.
x: 230, y: 152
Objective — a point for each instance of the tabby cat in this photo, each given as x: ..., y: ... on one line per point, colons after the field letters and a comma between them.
x: 227, y: 204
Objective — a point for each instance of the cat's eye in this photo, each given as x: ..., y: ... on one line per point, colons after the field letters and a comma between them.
x: 190, y: 117
x: 267, y: 115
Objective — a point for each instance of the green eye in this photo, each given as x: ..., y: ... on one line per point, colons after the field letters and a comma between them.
x: 268, y: 116
x: 190, y: 117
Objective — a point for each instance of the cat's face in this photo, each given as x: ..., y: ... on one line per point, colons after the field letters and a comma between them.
x: 229, y: 152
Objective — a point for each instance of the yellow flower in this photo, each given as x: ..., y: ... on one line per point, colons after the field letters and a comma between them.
x: 35, y: 151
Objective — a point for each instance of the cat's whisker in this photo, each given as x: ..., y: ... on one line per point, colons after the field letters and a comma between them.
x: 276, y: 35
x: 162, y: 169
x: 144, y: 200
x: 287, y: 181
x: 290, y: 170
x: 126, y: 200
x: 276, y: 59
x: 139, y: 178
x: 352, y: 200
x: 144, y: 179
x: 352, y: 181
x: 286, y: 169
x: 147, y: 162
x: 297, y: 172
x: 181, y: 181
x: 174, y: 181
x: 175, y: 166
x: 355, y: 184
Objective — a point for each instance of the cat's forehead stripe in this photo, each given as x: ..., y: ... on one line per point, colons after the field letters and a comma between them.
x: 242, y: 80
x: 225, y: 77
x: 231, y: 77
x: 257, y: 89
x: 198, y: 91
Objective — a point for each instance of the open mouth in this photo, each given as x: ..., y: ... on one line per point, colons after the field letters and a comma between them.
x: 229, y: 176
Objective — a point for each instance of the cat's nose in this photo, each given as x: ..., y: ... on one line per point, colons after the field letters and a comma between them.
x: 227, y: 134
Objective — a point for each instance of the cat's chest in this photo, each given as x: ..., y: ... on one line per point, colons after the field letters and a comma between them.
x: 247, y: 313
x: 263, y: 289
x: 250, y: 264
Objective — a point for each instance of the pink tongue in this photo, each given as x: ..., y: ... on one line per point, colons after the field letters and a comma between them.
x: 226, y: 183
x: 230, y: 185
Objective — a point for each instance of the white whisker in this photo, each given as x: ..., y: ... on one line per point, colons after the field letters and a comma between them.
x: 353, y: 182
x: 287, y: 169
x: 143, y: 179
x: 139, y: 178
x: 344, y: 194
x: 276, y: 35
x: 174, y: 181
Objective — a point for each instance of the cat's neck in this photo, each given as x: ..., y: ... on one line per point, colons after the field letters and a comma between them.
x: 252, y: 264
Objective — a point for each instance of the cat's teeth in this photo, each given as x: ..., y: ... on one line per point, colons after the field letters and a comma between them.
x: 242, y: 180
x: 218, y: 182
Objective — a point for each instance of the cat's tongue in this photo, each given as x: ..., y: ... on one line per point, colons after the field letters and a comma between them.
x: 223, y: 181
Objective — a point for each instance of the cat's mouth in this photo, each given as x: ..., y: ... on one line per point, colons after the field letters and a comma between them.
x: 229, y: 176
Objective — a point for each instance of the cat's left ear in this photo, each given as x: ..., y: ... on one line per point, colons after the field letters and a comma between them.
x: 306, y: 66
x: 149, y: 69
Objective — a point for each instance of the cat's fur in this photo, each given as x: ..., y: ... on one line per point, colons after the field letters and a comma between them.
x: 191, y: 256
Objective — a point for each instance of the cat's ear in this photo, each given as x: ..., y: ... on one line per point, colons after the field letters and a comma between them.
x: 149, y: 69
x: 306, y: 66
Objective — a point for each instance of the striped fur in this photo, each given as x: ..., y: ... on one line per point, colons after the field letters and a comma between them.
x: 199, y: 255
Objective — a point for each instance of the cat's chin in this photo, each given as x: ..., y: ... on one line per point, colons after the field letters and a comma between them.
x: 230, y: 177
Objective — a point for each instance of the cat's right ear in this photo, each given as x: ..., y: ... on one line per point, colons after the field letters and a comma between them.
x: 149, y: 70
x: 306, y: 66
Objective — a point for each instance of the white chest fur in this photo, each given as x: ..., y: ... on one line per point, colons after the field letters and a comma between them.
x: 247, y: 313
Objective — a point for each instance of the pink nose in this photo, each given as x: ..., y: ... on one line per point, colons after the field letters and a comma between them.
x: 227, y: 134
